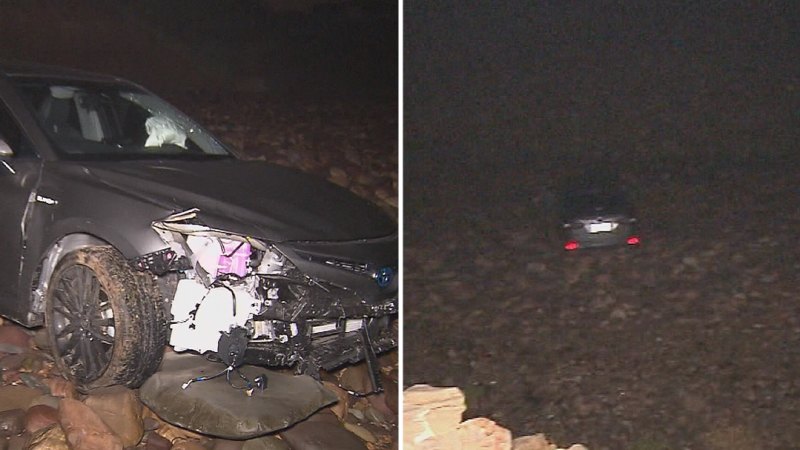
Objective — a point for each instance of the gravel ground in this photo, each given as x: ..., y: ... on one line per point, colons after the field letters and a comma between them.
x: 690, y: 341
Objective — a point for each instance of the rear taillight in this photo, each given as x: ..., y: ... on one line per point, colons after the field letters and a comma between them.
x: 571, y: 245
x: 634, y: 240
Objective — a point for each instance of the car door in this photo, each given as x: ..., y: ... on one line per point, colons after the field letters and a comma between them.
x: 19, y: 176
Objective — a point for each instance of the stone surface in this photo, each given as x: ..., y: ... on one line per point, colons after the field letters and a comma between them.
x: 154, y: 441
x: 12, y: 422
x: 321, y: 432
x: 17, y: 397
x: 188, y: 445
x: 121, y: 411
x: 52, y: 438
x: 60, y: 387
x: 45, y: 399
x: 14, y: 335
x: 266, y: 443
x: 339, y: 408
x: 287, y: 400
x: 430, y: 411
x: 356, y: 378
x: 84, y: 429
x: 40, y: 416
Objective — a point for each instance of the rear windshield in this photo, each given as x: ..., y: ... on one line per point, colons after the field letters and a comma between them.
x: 105, y: 121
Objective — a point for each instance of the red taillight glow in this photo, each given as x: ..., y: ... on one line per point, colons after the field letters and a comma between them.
x: 571, y: 245
x: 633, y: 240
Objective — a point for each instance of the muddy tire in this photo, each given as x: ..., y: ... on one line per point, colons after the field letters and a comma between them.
x: 106, y: 323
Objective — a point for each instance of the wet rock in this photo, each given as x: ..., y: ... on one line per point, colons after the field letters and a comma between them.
x: 45, y: 399
x: 321, y: 431
x: 60, y: 387
x: 41, y: 339
x: 84, y: 429
x: 33, y: 381
x: 17, y: 397
x: 15, y: 335
x: 12, y: 422
x: 339, y: 176
x: 340, y: 407
x: 188, y: 445
x: 287, y: 400
x: 225, y: 444
x: 121, y: 411
x: 154, y: 441
x: 356, y: 378
x: 360, y: 431
x: 52, y: 438
x: 169, y: 431
x: 18, y: 442
x: 266, y: 443
x: 40, y: 416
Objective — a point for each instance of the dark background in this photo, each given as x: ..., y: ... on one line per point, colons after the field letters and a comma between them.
x: 688, y: 341
x: 280, y: 47
x: 502, y: 83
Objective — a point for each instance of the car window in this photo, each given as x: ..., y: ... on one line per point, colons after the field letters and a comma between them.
x: 12, y: 136
x: 107, y: 121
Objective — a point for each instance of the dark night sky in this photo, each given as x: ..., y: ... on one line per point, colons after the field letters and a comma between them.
x: 337, y: 47
x: 511, y: 82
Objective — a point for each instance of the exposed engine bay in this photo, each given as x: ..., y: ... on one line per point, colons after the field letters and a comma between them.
x: 245, y: 300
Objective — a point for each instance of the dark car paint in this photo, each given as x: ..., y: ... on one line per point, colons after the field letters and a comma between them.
x: 45, y: 199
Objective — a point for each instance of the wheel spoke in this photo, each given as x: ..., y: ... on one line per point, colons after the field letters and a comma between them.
x: 68, y: 328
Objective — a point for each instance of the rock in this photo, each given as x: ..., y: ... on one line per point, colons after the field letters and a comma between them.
x: 154, y: 441
x: 287, y: 400
x: 84, y: 429
x: 430, y: 411
x: 121, y: 411
x: 18, y: 442
x: 480, y: 433
x: 363, y: 433
x: 14, y: 335
x: 266, y: 443
x: 41, y: 339
x: 536, y: 442
x: 321, y: 431
x: 224, y: 444
x: 168, y: 431
x: 12, y: 422
x: 11, y: 349
x: 340, y: 407
x: 390, y: 394
x: 188, y: 445
x: 33, y: 381
x: 45, y: 399
x: 12, y: 361
x: 356, y: 378
x: 60, y: 387
x: 338, y: 176
x: 40, y: 416
x: 17, y: 397
x: 52, y: 438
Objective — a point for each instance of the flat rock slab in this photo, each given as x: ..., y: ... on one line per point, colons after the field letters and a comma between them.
x: 215, y: 408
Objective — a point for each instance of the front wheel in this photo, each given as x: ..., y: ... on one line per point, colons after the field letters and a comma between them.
x: 106, y: 322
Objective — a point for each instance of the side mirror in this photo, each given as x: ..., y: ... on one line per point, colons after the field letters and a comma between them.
x: 5, y: 150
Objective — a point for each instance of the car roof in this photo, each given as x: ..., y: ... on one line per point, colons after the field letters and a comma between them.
x: 14, y: 69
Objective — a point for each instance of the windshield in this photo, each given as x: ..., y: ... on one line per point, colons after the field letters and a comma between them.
x: 93, y: 120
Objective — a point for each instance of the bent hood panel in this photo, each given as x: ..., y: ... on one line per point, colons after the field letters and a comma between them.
x: 251, y: 198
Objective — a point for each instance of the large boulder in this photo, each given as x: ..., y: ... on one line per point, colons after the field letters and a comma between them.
x: 121, y: 411
x: 216, y: 408
x: 84, y: 429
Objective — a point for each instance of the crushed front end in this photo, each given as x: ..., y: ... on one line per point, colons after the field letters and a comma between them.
x: 310, y: 305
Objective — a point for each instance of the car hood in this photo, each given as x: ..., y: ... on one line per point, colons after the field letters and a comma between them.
x: 251, y: 198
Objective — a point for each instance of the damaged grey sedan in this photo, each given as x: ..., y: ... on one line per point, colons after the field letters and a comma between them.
x: 127, y: 227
